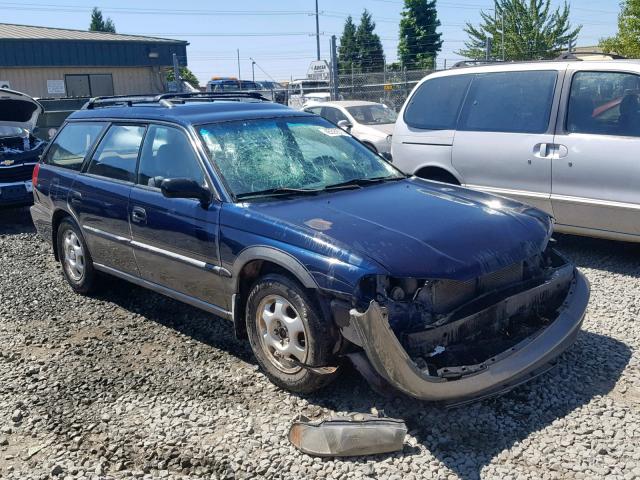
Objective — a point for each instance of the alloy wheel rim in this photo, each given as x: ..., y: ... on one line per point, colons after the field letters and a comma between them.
x: 283, y: 335
x: 74, y: 258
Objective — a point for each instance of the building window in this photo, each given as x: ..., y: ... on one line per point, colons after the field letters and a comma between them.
x: 89, y: 85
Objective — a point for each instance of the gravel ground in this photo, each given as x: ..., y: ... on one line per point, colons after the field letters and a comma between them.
x: 131, y: 384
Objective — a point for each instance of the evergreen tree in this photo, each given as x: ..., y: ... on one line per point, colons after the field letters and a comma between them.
x: 627, y: 40
x: 531, y: 31
x: 370, y: 51
x: 186, y: 75
x: 98, y: 24
x: 348, y: 49
x: 419, y: 40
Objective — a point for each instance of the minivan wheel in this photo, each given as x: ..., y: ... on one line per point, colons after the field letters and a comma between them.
x: 437, y: 175
x: 286, y: 329
x: 75, y: 258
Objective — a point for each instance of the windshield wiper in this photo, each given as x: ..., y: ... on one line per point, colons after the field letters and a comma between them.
x: 279, y: 191
x: 360, y: 182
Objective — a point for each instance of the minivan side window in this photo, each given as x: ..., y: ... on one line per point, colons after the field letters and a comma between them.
x: 436, y: 104
x: 73, y: 143
x: 167, y: 153
x: 512, y: 102
x: 117, y: 155
x: 604, y: 103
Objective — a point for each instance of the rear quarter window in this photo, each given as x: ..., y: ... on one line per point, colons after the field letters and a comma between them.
x: 512, y: 102
x: 436, y: 104
x: 73, y: 143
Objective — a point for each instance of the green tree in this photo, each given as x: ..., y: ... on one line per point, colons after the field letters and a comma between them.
x: 419, y: 40
x: 99, y: 24
x: 348, y: 49
x: 531, y: 31
x: 186, y: 75
x: 627, y: 40
x: 370, y: 51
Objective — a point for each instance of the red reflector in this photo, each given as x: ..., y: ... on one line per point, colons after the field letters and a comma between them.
x: 34, y: 176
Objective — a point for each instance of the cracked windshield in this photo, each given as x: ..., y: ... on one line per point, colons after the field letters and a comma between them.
x: 290, y: 155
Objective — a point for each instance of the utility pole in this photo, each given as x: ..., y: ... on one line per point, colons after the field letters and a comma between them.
x: 317, y: 32
x: 253, y: 70
x: 495, y: 19
x: 334, y: 68
x: 239, y: 76
x: 502, y: 15
x: 176, y: 74
x: 487, y: 46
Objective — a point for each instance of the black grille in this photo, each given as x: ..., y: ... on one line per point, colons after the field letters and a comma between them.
x: 19, y: 173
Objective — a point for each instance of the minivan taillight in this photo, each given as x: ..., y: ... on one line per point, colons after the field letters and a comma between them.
x: 34, y: 175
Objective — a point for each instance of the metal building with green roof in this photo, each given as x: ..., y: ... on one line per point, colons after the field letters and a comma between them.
x: 56, y: 62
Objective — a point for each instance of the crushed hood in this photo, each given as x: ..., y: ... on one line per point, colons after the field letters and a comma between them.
x: 412, y: 227
x: 18, y: 110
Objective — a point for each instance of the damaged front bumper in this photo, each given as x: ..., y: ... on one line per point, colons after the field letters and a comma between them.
x: 499, y: 373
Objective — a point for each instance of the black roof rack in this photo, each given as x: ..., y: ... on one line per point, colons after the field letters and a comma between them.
x: 168, y: 99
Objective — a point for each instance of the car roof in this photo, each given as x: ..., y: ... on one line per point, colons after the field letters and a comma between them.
x: 189, y: 113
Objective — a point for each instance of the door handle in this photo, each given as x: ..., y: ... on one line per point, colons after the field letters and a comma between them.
x: 561, y: 151
x: 541, y: 150
x: 138, y: 215
x: 76, y: 197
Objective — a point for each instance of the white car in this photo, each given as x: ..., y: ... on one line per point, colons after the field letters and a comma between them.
x: 314, y: 98
x: 371, y: 123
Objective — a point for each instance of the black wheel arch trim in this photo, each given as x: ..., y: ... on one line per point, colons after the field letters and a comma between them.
x: 270, y: 254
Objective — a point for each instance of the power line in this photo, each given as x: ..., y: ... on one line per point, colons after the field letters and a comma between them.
x: 157, y: 11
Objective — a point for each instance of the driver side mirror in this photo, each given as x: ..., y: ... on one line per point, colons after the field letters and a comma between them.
x: 346, y: 125
x: 185, y: 188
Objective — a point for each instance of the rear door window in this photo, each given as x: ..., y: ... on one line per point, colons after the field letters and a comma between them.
x: 117, y: 155
x: 436, y: 104
x: 604, y: 103
x: 518, y: 102
x: 73, y: 143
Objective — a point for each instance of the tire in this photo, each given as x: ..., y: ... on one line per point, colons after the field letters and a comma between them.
x: 296, y: 322
x: 75, y: 259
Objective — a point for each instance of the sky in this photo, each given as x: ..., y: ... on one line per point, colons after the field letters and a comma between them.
x: 279, y: 35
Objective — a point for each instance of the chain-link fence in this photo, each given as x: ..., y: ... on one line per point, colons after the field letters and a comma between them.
x: 390, y: 88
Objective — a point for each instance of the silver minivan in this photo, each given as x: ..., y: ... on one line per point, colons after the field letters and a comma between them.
x: 563, y: 136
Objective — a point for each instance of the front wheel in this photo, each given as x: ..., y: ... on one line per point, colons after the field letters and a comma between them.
x: 285, y: 330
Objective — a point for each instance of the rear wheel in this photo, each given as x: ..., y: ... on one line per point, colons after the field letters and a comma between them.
x: 75, y: 258
x: 285, y: 330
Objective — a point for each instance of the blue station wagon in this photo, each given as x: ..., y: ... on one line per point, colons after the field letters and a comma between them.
x: 312, y: 246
